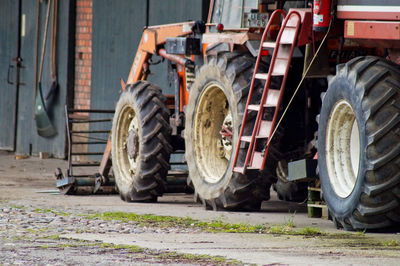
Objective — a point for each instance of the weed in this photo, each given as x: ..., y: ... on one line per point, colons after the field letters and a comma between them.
x: 290, y: 221
x: 311, y: 231
x: 58, y: 213
x: 192, y: 257
x: 17, y: 207
x: 361, y: 232
x: 170, y: 221
x: 281, y: 230
x: 288, y: 230
x: 54, y: 237
x: 391, y: 243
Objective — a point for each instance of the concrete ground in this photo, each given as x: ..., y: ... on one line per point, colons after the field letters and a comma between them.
x: 22, y: 182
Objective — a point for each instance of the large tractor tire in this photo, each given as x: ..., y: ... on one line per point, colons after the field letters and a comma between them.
x: 359, y: 145
x: 216, y: 105
x: 141, y: 143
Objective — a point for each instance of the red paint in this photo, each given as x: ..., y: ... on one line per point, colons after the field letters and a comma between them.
x: 322, y: 15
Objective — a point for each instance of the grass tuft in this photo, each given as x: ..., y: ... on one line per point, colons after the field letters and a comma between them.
x: 187, y: 222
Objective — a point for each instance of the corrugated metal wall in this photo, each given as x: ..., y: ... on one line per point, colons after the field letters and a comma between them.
x: 27, y: 139
x: 8, y: 72
x: 117, y: 30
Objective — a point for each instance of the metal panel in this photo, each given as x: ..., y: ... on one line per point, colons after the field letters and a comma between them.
x: 28, y: 141
x: 369, y: 2
x: 8, y: 72
x: 171, y: 11
x: 117, y: 30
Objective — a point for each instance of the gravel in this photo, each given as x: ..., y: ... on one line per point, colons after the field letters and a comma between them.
x: 33, y: 236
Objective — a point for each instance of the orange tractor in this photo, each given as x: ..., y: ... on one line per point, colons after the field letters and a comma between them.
x: 263, y: 91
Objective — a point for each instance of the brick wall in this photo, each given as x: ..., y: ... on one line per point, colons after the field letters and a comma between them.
x: 83, y: 53
x: 83, y: 69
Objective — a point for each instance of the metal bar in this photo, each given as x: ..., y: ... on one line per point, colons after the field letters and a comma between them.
x: 88, y: 142
x: 87, y: 137
x: 175, y: 58
x: 91, y: 111
x: 85, y: 164
x: 86, y: 153
x: 69, y: 140
x: 90, y: 131
x: 91, y: 121
x: 106, y: 163
x: 81, y: 176
x: 177, y: 163
x: 91, y: 182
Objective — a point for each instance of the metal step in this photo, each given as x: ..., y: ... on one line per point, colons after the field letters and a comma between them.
x: 265, y: 129
x: 269, y: 45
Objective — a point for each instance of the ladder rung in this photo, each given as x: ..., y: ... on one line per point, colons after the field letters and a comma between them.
x: 288, y: 35
x: 257, y: 160
x: 290, y: 26
x: 269, y: 44
x: 238, y: 169
x: 253, y: 107
x: 245, y: 138
x: 284, y: 52
x: 265, y: 75
x: 280, y: 67
x: 265, y: 129
x: 261, y: 76
x: 272, y: 98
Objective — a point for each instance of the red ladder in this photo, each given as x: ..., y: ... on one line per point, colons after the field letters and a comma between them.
x: 271, y: 98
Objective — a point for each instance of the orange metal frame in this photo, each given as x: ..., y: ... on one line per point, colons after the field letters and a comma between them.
x: 152, y: 38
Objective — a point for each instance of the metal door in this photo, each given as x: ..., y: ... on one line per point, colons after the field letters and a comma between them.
x: 9, y: 71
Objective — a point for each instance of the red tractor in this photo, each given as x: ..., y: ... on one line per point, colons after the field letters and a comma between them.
x: 262, y: 90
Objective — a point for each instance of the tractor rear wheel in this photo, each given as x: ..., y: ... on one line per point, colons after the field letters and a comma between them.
x: 213, y: 118
x: 140, y: 143
x: 359, y: 145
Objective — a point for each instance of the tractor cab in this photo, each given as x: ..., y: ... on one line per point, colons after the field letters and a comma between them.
x: 243, y: 14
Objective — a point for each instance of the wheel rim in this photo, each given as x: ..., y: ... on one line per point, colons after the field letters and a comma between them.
x: 212, y: 130
x: 127, y: 138
x: 342, y: 149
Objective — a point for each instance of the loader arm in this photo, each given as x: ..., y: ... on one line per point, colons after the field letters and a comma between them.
x: 152, y: 40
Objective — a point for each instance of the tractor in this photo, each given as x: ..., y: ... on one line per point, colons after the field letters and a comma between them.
x: 269, y: 95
